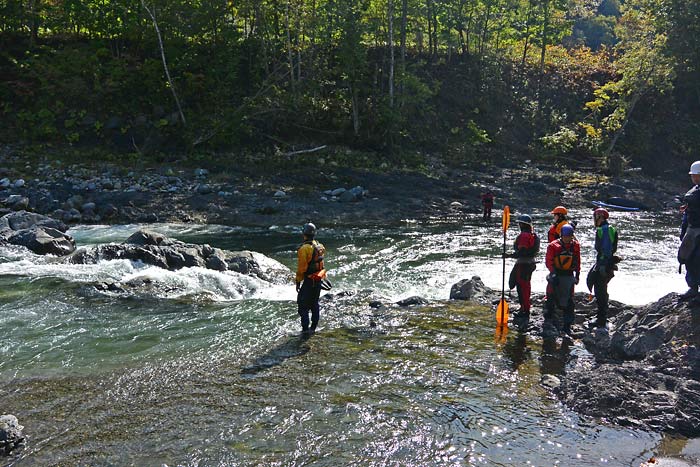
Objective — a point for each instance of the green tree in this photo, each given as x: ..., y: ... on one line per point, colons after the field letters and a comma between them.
x: 644, y: 67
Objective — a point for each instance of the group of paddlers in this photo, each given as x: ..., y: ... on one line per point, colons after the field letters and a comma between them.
x: 562, y: 259
x: 563, y: 262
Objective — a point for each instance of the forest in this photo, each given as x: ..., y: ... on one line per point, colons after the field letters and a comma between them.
x: 609, y: 84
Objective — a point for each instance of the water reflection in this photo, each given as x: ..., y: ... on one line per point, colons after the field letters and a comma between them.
x: 555, y: 356
x: 517, y: 350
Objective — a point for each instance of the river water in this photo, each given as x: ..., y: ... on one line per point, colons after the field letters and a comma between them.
x: 209, y: 369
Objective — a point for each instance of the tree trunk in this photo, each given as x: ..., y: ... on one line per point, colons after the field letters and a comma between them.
x: 615, y: 166
x: 435, y: 30
x: 355, y: 110
x: 544, y: 37
x: 485, y: 30
x: 391, y: 53
x: 430, y: 28
x: 404, y: 21
x: 290, y: 53
x: 526, y: 42
x: 34, y: 18
x: 468, y: 30
x: 299, y: 37
x: 152, y: 14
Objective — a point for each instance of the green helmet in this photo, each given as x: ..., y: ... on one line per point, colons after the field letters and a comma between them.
x: 309, y: 229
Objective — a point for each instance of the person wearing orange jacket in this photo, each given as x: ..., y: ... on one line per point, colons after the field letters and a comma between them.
x: 310, y: 272
x: 560, y: 220
x: 563, y: 260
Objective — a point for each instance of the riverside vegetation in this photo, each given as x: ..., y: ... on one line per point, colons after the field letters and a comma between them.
x: 469, y: 81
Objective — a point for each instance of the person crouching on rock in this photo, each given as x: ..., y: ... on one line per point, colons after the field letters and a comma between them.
x: 560, y: 220
x: 688, y: 252
x: 310, y: 273
x: 563, y: 260
x: 526, y: 246
x: 604, y: 268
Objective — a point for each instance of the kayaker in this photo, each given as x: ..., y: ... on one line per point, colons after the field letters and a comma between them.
x: 560, y: 220
x: 563, y: 260
x: 526, y: 247
x: 310, y: 273
x: 688, y: 252
x: 605, y: 265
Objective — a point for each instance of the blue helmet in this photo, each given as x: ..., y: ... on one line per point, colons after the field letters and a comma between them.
x: 567, y: 230
x: 524, y: 219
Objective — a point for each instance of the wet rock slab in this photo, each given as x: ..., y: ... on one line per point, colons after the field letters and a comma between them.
x: 647, y: 369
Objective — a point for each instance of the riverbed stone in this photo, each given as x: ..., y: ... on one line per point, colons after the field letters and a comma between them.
x: 469, y: 289
x: 10, y: 433
x: 44, y: 241
x: 17, y: 202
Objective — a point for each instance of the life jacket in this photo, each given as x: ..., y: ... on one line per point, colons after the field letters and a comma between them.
x: 606, y: 244
x: 316, y: 270
x: 526, y: 247
x: 555, y: 230
x: 487, y: 198
x: 565, y: 259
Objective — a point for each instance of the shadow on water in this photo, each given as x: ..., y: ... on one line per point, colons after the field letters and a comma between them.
x: 555, y: 355
x: 517, y: 350
x: 294, y: 346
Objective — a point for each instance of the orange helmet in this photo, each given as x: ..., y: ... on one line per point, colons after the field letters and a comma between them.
x: 559, y: 210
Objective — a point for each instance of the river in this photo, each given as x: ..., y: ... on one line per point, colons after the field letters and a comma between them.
x: 210, y: 370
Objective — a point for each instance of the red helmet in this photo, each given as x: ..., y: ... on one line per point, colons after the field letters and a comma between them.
x: 601, y: 212
x: 559, y: 210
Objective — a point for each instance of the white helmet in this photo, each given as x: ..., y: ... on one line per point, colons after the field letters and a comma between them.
x: 695, y: 168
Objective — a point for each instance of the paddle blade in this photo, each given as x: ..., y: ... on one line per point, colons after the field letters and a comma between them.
x: 506, y: 218
x: 501, y: 334
x: 502, y: 313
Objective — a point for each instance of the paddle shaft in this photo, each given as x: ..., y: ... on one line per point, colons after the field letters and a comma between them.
x: 503, y: 276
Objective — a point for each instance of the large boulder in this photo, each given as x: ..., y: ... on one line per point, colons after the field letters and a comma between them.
x: 42, y: 235
x: 44, y: 241
x: 10, y: 433
x: 25, y: 220
x: 470, y: 289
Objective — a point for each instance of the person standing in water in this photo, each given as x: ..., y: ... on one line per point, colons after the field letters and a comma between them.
x: 310, y: 273
x: 526, y: 246
x: 688, y: 252
x: 563, y: 261
x: 487, y: 202
x: 605, y: 264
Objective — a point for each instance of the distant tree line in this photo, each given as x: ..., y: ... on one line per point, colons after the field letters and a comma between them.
x: 470, y: 78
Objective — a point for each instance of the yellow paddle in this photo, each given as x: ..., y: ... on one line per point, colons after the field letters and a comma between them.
x: 502, y: 309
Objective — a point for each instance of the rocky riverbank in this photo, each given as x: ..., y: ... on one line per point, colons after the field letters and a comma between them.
x: 326, y: 193
x: 643, y: 370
